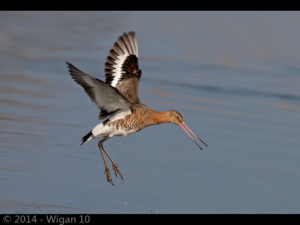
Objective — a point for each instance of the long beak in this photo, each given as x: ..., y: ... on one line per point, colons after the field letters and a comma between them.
x: 191, y: 134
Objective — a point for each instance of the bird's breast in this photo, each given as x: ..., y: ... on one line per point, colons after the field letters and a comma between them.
x: 128, y: 125
x: 121, y: 127
x: 140, y: 118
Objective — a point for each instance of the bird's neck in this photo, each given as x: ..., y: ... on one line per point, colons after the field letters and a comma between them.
x: 159, y: 117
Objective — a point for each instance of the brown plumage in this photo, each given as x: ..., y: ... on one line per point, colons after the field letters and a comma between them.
x: 122, y: 68
x: 118, y: 101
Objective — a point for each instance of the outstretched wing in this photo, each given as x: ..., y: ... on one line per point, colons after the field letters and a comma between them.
x: 122, y: 69
x: 107, y: 98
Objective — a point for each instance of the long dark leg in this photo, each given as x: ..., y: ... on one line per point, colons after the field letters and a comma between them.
x: 114, y: 165
x: 106, y: 171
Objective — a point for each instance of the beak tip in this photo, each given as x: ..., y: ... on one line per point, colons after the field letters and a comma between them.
x: 186, y: 129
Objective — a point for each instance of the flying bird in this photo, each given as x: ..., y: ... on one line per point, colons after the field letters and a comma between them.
x: 118, y: 101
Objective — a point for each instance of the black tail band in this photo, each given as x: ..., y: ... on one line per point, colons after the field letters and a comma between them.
x: 86, y: 137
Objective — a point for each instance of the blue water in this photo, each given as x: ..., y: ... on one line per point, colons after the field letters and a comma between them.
x: 234, y: 76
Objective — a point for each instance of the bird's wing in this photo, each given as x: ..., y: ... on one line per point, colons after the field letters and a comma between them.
x: 122, y: 69
x: 107, y: 98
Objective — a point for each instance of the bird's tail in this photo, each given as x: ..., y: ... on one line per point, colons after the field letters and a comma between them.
x: 87, y: 137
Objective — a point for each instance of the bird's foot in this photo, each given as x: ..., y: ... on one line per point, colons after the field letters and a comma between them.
x: 117, y: 170
x: 108, y: 176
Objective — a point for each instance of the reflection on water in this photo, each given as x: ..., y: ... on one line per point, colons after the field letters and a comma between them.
x: 287, y: 106
x: 233, y: 75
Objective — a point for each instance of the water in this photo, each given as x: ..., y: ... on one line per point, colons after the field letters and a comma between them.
x: 233, y: 75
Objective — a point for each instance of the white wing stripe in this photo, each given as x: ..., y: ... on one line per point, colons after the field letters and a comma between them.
x: 126, y: 45
x: 118, y: 69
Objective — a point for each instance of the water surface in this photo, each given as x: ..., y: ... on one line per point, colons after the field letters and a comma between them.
x: 233, y: 75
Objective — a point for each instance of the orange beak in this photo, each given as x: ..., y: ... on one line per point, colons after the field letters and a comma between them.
x: 191, y: 134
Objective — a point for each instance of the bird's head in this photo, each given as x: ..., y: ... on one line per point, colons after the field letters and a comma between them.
x: 176, y: 118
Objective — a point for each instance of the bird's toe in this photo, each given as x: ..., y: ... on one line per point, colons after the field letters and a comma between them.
x: 117, y: 170
x: 108, y: 176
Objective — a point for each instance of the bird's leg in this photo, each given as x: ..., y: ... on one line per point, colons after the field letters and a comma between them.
x: 114, y: 165
x: 106, y: 171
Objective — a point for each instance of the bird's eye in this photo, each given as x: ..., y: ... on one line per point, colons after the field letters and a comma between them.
x: 177, y: 117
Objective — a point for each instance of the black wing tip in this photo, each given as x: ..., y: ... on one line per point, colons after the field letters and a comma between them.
x: 73, y: 70
x: 130, y: 33
x: 70, y: 66
x: 68, y: 63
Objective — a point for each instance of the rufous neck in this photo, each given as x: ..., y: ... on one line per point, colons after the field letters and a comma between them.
x: 159, y: 117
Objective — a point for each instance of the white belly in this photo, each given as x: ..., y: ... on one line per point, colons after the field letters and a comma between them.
x: 102, y: 130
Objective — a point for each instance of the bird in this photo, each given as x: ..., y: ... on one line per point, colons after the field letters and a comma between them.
x: 121, y: 111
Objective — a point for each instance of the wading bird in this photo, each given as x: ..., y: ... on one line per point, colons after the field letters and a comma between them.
x: 118, y: 100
